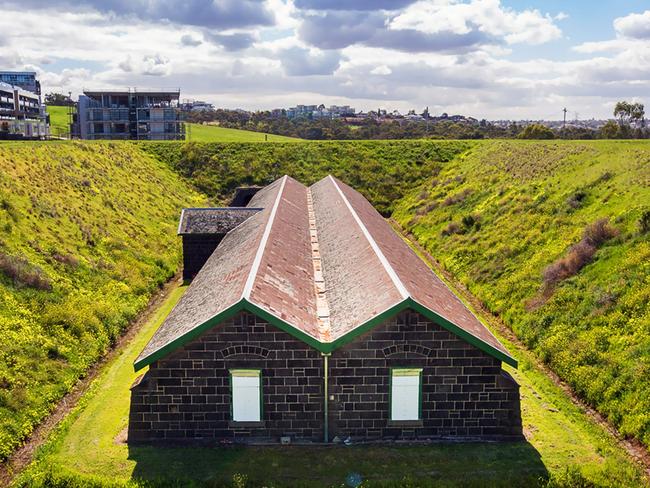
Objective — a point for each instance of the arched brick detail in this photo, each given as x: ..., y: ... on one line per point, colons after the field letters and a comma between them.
x: 408, y: 348
x: 245, y: 349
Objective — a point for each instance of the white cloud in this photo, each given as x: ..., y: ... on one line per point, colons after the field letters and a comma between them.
x: 634, y: 26
x: 381, y: 70
x: 487, y: 16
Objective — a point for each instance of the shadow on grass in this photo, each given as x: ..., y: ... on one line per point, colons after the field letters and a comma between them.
x: 450, y: 464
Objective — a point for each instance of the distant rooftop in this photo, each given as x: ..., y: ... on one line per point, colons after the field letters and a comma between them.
x: 213, y: 220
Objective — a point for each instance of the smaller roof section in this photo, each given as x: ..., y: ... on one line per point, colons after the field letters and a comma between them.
x: 207, y: 221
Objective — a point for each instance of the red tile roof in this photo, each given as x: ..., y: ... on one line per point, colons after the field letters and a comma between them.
x: 320, y: 263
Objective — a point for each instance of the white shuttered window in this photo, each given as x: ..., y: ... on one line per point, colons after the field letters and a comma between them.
x: 246, y: 395
x: 405, y: 394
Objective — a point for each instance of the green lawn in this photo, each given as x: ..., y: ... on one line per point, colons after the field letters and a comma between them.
x: 562, y: 443
x: 213, y: 133
x: 59, y: 121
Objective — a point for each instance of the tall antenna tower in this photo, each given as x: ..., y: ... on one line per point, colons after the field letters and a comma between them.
x: 564, y: 123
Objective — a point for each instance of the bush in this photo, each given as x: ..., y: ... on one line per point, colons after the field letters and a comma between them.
x: 599, y: 232
x: 457, y: 198
x: 452, y: 228
x: 578, y: 257
x: 22, y: 273
x: 580, y: 254
x: 644, y: 222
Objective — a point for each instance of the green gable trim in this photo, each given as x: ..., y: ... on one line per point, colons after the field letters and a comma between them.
x: 463, y: 334
x: 284, y: 326
x: 189, y: 336
x: 325, y: 347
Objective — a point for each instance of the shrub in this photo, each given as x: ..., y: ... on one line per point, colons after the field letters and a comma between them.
x: 644, y: 222
x: 580, y: 254
x: 471, y: 221
x: 578, y: 257
x: 452, y: 228
x: 457, y: 198
x: 67, y: 259
x: 426, y: 209
x: 22, y: 273
x: 575, y: 200
x: 599, y: 232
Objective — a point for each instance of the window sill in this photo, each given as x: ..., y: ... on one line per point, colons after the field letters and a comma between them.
x: 246, y: 424
x: 405, y: 423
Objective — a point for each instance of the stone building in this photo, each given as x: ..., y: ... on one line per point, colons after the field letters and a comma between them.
x: 313, y: 321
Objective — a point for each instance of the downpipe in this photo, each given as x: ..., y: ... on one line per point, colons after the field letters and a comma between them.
x: 325, y: 397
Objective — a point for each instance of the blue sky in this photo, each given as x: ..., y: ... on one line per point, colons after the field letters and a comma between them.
x: 521, y: 59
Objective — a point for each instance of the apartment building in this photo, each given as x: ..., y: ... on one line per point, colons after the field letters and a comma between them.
x: 131, y: 114
x: 21, y: 114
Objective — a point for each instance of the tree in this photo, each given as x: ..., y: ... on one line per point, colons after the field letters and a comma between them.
x: 57, y: 99
x: 622, y: 112
x: 609, y: 130
x: 630, y: 113
x: 537, y: 131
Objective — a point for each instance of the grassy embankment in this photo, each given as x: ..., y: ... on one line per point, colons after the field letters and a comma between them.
x: 88, y: 233
x: 563, y: 444
x: 509, y: 220
x: 382, y: 170
x: 214, y: 133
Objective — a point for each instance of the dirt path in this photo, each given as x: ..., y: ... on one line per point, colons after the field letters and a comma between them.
x: 634, y: 448
x: 25, y: 454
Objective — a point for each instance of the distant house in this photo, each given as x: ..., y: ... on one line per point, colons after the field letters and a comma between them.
x: 314, y: 321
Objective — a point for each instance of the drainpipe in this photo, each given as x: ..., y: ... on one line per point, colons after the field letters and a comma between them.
x: 325, y: 397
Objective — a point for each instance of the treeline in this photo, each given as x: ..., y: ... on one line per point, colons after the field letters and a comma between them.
x: 339, y: 129
x: 373, y: 129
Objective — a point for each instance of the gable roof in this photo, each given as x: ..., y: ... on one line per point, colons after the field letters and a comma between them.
x: 320, y: 263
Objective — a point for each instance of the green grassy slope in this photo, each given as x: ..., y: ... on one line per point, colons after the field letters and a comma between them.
x: 88, y: 233
x: 382, y: 170
x: 214, y: 133
x: 59, y: 121
x: 499, y: 215
x: 90, y: 446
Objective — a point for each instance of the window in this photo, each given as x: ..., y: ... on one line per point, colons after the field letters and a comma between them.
x: 246, y: 395
x: 405, y: 393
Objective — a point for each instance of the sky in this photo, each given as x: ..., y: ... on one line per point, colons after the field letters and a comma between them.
x: 494, y: 59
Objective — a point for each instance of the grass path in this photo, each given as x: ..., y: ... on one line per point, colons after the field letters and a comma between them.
x: 214, y: 133
x: 562, y: 440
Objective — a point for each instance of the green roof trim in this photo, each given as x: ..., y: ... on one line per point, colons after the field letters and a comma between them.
x: 325, y: 347
x: 463, y: 334
x: 189, y: 336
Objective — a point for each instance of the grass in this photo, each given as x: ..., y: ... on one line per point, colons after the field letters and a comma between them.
x: 89, y: 446
x: 214, y: 133
x: 88, y: 233
x: 59, y: 121
x: 505, y: 215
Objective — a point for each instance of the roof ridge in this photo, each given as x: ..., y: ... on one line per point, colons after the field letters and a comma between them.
x: 322, y: 304
x: 246, y: 293
x: 373, y: 244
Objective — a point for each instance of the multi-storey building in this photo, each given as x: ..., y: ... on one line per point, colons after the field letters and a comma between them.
x: 21, y: 114
x: 22, y: 79
x: 132, y: 114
